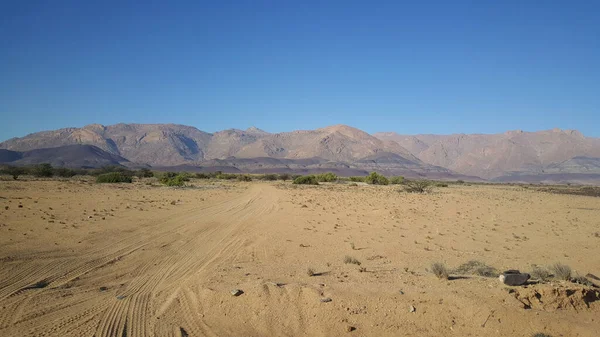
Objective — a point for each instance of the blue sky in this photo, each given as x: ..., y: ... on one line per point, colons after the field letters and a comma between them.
x: 425, y: 67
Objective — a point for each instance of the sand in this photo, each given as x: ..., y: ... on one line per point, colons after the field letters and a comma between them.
x: 83, y: 259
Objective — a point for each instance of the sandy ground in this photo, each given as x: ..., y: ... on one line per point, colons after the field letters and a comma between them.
x: 81, y: 259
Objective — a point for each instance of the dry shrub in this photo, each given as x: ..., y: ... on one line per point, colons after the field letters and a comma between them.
x: 440, y: 271
x: 561, y: 271
x: 351, y: 260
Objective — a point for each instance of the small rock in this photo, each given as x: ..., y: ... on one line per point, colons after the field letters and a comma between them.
x: 103, y: 288
x: 412, y: 309
x: 514, y: 278
x: 401, y: 292
x: 120, y: 297
x: 326, y: 300
x: 350, y: 328
x: 89, y: 216
x: 6, y: 208
x: 236, y: 292
x: 20, y: 206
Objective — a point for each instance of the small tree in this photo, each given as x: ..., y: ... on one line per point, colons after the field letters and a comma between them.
x: 397, y: 180
x: 64, y: 172
x: 417, y: 186
x: 376, y: 179
x: 144, y: 173
x: 43, y: 170
x: 285, y: 176
x: 13, y: 171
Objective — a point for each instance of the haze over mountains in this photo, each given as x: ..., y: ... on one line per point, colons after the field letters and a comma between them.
x: 556, y: 155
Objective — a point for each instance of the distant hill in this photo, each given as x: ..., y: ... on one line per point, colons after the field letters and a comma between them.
x: 496, y: 155
x: 7, y: 156
x: 76, y: 156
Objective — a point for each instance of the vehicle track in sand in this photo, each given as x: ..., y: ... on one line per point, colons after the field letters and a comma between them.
x: 156, y: 260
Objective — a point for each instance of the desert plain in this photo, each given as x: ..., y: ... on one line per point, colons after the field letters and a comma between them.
x: 129, y: 260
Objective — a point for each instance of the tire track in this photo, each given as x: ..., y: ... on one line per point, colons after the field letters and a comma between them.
x: 174, y: 251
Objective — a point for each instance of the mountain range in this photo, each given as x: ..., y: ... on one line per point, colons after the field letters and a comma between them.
x: 552, y: 155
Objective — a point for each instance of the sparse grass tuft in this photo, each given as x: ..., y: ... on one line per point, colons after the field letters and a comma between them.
x: 310, y: 272
x: 352, y: 246
x: 440, y: 271
x: 539, y: 334
x: 582, y: 280
x: 540, y: 274
x: 479, y: 268
x: 351, y: 260
x: 561, y: 271
x: 362, y: 269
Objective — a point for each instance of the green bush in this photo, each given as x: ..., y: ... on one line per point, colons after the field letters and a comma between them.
x: 244, y: 177
x: 326, y: 177
x: 144, y: 173
x: 113, y: 177
x: 306, y: 180
x: 357, y: 179
x: 43, y: 170
x: 441, y: 185
x: 460, y: 181
x: 376, y: 179
x: 268, y: 177
x: 284, y: 176
x: 174, y: 179
x: 397, y: 180
x: 202, y: 175
x: 226, y: 176
x: 64, y: 172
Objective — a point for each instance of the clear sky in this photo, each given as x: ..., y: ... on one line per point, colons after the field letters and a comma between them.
x: 424, y: 67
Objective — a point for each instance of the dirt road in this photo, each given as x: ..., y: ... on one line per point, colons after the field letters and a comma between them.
x: 80, y: 259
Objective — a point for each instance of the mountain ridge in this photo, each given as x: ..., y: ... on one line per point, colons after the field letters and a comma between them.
x: 490, y: 156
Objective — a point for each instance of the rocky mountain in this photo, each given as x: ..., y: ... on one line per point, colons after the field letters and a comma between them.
x: 497, y: 155
x: 79, y: 156
x: 338, y: 148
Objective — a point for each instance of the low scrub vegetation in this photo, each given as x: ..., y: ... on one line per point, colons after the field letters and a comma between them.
x: 44, y: 170
x: 561, y: 271
x: 326, y: 177
x: 376, y: 179
x: 144, y: 173
x: 478, y: 268
x: 397, y: 180
x: 268, y: 177
x: 306, y: 180
x: 244, y: 177
x: 113, y: 177
x: 174, y: 179
x: 540, y: 274
x: 13, y: 171
x: 357, y: 179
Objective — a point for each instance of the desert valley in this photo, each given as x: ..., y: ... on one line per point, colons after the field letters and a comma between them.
x: 255, y: 257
